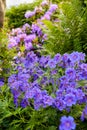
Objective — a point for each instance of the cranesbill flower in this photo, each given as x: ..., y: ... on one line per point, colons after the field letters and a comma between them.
x: 28, y: 46
x: 67, y: 123
x: 82, y: 56
x: 57, y: 58
x: 66, y: 61
x: 37, y: 93
x: 52, y: 63
x: 53, y: 8
x: 59, y: 93
x: 80, y: 94
x: 70, y: 73
x: 13, y: 42
x: 37, y: 105
x: 29, y: 14
x: 65, y: 57
x: 70, y: 99
x: 83, y: 66
x: 24, y: 103
x: 29, y: 94
x: 12, y: 79
x: 47, y: 101
x: 43, y: 61
x: 21, y: 37
x: 37, y: 30
x: 60, y: 104
x: 75, y: 57
x: 46, y: 16
x: 30, y: 38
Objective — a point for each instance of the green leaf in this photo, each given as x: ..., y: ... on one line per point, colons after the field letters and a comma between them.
x: 52, y: 128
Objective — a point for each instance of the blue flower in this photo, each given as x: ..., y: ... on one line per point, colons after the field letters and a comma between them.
x: 67, y: 123
x: 37, y: 30
x: 70, y: 73
x: 30, y: 38
x: 83, y: 66
x: 29, y: 14
x: 57, y: 58
x: 52, y: 63
x: 24, y: 103
x: 70, y: 99
x: 75, y: 57
x: 53, y: 7
x: 28, y: 46
x: 60, y: 104
x: 47, y: 101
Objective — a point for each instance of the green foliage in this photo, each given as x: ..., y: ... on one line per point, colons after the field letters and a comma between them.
x: 70, y: 33
x: 12, y: 118
x: 15, y: 14
x: 6, y: 55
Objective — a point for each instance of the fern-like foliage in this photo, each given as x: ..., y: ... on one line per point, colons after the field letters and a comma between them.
x: 70, y: 32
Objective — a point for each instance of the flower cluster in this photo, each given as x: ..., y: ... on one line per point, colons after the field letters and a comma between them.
x: 29, y: 36
x: 45, y: 81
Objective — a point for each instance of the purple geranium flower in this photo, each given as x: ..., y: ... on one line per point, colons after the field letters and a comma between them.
x: 70, y: 99
x: 83, y: 66
x: 24, y: 103
x: 13, y: 42
x: 53, y: 8
x: 30, y: 38
x: 59, y: 104
x: 75, y: 57
x: 52, y: 63
x: 70, y: 73
x: 57, y: 58
x: 82, y: 56
x: 47, y: 100
x: 29, y: 14
x: 67, y: 123
x: 28, y: 46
